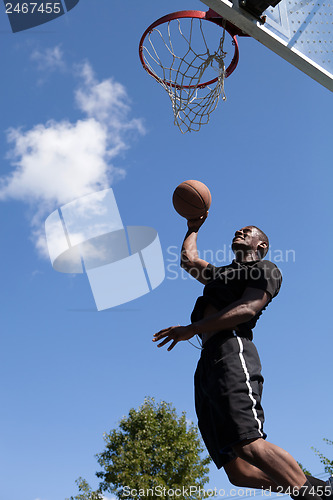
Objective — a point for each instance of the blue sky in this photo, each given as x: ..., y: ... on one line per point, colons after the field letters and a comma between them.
x: 68, y: 372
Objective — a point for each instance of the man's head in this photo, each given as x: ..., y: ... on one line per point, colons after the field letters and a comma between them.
x: 250, y: 241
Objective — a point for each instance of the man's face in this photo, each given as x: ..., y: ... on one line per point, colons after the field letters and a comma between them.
x: 245, y: 239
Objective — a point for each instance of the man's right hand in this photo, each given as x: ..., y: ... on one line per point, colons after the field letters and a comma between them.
x: 195, y: 224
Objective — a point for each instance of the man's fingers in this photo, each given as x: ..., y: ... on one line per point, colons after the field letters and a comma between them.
x: 162, y: 333
x: 159, y: 337
x: 168, y: 334
x: 165, y: 341
x: 172, y: 345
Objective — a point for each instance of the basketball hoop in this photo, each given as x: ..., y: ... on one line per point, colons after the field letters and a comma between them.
x: 175, y: 51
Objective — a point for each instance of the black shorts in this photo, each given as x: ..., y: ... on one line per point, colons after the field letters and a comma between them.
x: 228, y: 388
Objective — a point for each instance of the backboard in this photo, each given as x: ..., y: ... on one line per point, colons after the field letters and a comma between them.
x: 300, y: 31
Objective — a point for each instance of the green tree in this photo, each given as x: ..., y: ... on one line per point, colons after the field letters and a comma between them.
x: 153, y: 449
x: 328, y: 463
x: 85, y: 492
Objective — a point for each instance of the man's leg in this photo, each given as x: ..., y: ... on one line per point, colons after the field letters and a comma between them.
x: 243, y: 474
x: 275, y: 462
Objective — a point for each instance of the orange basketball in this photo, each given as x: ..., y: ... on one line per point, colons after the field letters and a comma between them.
x: 191, y: 199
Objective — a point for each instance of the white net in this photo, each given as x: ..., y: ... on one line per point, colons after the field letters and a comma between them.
x: 184, y: 76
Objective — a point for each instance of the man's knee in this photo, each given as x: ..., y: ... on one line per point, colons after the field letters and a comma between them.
x: 235, y: 473
x: 236, y: 480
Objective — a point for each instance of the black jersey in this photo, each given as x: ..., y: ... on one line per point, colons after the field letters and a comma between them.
x: 227, y: 284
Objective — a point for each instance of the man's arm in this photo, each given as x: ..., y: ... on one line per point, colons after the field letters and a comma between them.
x: 240, y: 311
x: 189, y: 259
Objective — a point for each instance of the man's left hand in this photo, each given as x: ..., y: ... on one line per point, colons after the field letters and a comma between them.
x: 174, y: 333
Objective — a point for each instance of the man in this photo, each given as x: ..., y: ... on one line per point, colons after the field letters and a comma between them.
x: 228, y: 380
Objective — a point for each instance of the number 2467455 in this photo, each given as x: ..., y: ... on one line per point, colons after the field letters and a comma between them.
x: 31, y: 7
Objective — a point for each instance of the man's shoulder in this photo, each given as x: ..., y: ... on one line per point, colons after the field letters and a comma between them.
x: 266, y: 264
x: 270, y: 275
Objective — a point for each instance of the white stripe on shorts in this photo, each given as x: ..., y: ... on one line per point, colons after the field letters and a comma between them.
x: 247, y: 375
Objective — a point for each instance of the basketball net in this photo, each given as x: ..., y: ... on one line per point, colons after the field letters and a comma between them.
x: 192, y: 101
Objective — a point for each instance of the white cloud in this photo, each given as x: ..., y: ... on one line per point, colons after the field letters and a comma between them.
x: 108, y: 102
x: 56, y: 162
x: 49, y: 58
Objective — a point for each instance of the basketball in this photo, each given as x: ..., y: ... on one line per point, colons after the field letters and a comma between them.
x: 191, y: 199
